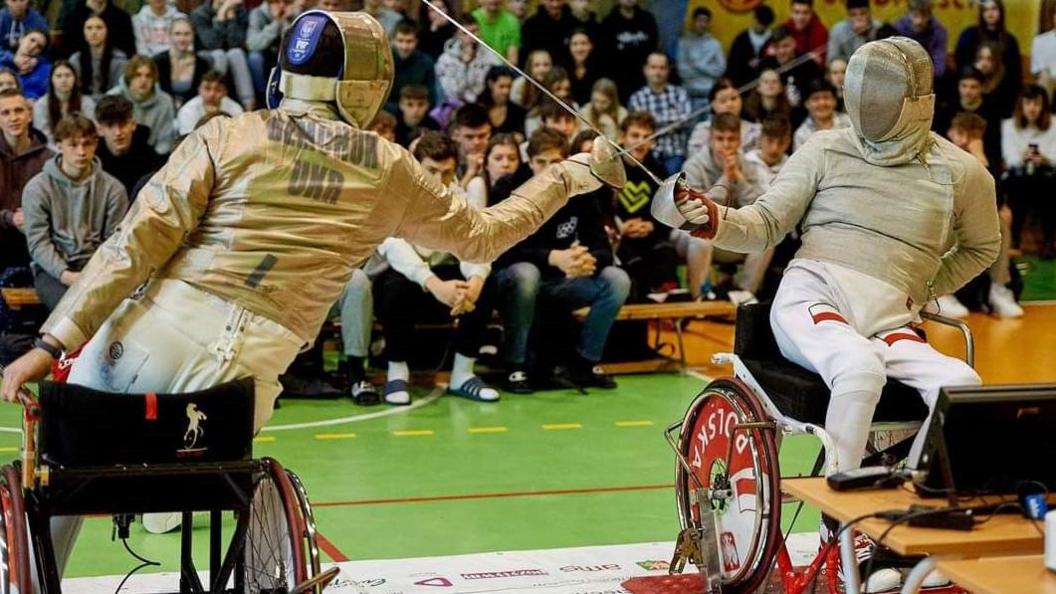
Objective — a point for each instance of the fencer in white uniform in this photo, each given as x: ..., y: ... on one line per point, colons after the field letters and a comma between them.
x: 891, y: 215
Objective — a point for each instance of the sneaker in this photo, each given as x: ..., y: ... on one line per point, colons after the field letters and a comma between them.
x: 294, y: 386
x: 739, y: 297
x: 935, y: 579
x: 397, y: 392
x: 518, y: 383
x: 1003, y: 302
x: 948, y: 306
x: 591, y: 376
x: 160, y: 523
x: 474, y: 388
x: 364, y: 393
x: 882, y: 579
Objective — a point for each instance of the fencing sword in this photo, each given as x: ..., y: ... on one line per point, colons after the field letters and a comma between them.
x: 544, y: 90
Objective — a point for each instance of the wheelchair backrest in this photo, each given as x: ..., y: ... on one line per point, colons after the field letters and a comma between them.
x: 753, y: 336
x: 84, y: 427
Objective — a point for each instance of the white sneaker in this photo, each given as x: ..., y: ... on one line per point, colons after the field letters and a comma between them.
x: 161, y: 523
x: 1003, y: 302
x: 884, y: 579
x: 948, y: 306
x: 935, y: 579
x: 740, y: 297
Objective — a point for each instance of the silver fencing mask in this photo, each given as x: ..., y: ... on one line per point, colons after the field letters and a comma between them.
x: 888, y: 90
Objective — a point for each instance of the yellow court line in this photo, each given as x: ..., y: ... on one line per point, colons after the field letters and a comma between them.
x: 634, y: 423
x: 326, y: 436
x: 6, y: 450
x: 413, y: 433
x: 263, y: 439
x: 498, y: 429
x: 561, y: 426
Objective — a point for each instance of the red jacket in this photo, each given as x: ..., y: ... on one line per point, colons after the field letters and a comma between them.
x: 814, y: 38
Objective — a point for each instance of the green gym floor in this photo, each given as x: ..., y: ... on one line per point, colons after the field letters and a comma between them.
x: 448, y: 476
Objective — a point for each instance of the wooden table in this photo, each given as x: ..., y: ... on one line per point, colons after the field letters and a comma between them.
x: 677, y: 312
x: 1002, y: 575
x: 1004, y: 534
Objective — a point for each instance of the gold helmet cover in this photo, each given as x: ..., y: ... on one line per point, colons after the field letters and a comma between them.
x: 362, y: 85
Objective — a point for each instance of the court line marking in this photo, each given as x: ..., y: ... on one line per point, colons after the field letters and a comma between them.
x: 501, y: 495
x: 331, y: 436
x: 634, y: 423
x: 413, y: 433
x: 498, y: 429
x: 264, y: 439
x: 329, y: 548
x: 561, y: 426
x: 437, y: 392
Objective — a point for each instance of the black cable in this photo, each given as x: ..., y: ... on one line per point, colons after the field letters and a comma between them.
x: 143, y: 564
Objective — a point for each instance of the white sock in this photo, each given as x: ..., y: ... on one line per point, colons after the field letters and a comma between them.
x: 398, y: 370
x: 461, y: 370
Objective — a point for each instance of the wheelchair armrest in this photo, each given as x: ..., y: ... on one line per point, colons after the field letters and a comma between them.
x: 966, y: 332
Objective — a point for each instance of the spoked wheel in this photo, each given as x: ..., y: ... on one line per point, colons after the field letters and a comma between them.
x: 317, y: 579
x: 735, y: 473
x: 274, y: 549
x: 14, y: 542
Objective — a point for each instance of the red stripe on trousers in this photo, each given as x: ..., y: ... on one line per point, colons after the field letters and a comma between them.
x: 828, y: 315
x: 891, y: 339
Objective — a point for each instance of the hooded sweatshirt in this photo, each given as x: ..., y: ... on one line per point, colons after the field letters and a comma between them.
x: 67, y: 220
x: 157, y: 111
x: 702, y: 171
x: 15, y: 171
x: 152, y: 31
x: 12, y: 29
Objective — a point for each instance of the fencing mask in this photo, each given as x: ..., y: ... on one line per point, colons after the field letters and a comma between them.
x: 888, y: 93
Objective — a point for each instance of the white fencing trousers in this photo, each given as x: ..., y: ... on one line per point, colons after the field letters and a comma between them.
x: 175, y: 338
x: 854, y: 331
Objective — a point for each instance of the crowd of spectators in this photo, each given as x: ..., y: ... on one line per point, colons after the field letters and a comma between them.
x: 141, y: 82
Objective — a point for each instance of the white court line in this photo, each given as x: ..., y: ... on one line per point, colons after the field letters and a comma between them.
x: 437, y: 392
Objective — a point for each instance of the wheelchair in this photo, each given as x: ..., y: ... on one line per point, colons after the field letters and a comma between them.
x: 727, y: 470
x: 91, y: 452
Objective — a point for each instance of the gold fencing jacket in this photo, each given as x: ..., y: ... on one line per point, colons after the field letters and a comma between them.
x: 275, y: 209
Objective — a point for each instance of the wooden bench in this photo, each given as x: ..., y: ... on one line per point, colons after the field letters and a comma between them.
x: 658, y: 312
x: 17, y: 298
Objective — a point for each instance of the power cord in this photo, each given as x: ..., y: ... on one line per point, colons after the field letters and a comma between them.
x: 121, y: 531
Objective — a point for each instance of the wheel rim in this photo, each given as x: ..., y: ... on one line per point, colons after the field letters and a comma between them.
x: 274, y: 559
x: 740, y: 519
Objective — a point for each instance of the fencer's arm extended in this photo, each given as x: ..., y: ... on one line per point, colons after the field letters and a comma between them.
x: 762, y: 225
x: 437, y: 218
x: 976, y: 232
x: 168, y: 208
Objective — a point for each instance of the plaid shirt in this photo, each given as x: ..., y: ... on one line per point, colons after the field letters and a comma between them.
x: 668, y: 106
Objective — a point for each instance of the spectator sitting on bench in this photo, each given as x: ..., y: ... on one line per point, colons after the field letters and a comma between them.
x: 71, y: 207
x: 23, y: 152
x: 125, y: 151
x: 423, y: 284
x: 567, y: 264
x: 724, y: 164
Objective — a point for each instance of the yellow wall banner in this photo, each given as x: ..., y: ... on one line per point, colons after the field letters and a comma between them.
x: 730, y: 17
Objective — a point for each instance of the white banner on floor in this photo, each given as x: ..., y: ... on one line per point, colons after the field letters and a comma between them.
x: 583, y: 570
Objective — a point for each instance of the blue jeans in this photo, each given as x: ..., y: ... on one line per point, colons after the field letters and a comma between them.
x: 673, y: 163
x: 258, y: 70
x: 521, y: 286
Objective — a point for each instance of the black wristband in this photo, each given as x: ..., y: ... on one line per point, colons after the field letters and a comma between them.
x: 52, y: 350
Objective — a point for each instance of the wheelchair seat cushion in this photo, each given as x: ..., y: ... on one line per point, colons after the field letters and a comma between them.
x: 82, y: 427
x: 801, y: 394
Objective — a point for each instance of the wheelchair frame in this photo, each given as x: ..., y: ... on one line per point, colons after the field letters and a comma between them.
x: 29, y: 489
x: 756, y: 428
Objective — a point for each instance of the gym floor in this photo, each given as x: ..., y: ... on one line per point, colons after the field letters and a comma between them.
x: 551, y: 470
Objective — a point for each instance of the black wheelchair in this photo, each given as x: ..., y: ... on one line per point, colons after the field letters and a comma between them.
x: 727, y: 477
x: 90, y: 452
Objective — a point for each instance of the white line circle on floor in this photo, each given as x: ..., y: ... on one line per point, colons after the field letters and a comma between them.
x: 436, y: 393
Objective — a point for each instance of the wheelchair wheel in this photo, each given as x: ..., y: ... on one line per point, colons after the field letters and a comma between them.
x: 308, y: 540
x: 274, y: 549
x: 14, y: 544
x: 742, y: 490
